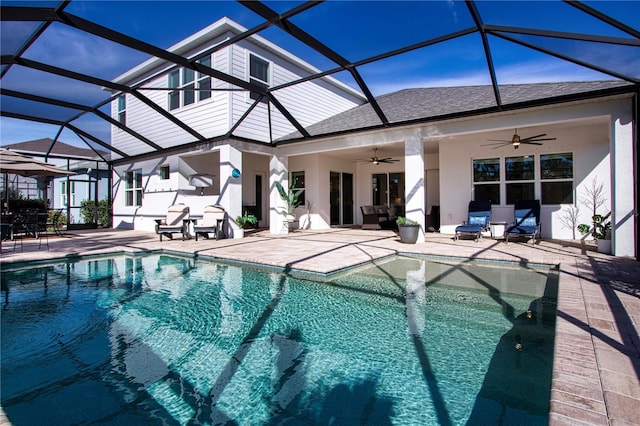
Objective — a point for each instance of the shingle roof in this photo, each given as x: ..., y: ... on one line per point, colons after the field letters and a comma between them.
x: 41, y: 146
x: 420, y: 104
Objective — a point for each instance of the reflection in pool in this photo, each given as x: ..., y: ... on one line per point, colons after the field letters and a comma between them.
x: 166, y: 339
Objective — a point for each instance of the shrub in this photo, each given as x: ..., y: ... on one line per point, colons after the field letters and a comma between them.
x: 87, y: 211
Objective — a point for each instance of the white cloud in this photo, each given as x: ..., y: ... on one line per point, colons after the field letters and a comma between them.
x: 82, y: 52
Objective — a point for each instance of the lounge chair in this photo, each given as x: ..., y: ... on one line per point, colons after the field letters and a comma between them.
x: 527, y: 220
x: 478, y: 218
x: 210, y: 223
x: 176, y: 222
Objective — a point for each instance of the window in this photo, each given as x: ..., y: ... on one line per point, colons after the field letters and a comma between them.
x: 185, y: 85
x: 298, y: 177
x: 486, y: 180
x: 174, y: 95
x: 122, y: 110
x: 556, y: 178
x: 258, y: 74
x: 188, y: 86
x: 164, y: 172
x: 63, y: 193
x: 520, y: 182
x: 72, y: 186
x: 519, y: 175
x: 204, y: 81
x: 133, y: 188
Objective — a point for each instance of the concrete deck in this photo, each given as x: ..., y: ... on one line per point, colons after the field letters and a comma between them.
x: 596, y: 372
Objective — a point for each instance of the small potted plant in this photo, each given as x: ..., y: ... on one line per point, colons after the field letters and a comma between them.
x: 600, y: 230
x: 245, y: 221
x: 291, y: 197
x: 408, y: 230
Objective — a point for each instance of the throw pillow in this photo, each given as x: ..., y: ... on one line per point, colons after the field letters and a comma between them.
x: 528, y: 221
x: 477, y: 220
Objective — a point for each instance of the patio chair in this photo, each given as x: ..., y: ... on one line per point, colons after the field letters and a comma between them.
x: 211, y: 222
x: 54, y: 218
x: 527, y: 220
x: 369, y: 218
x: 387, y: 216
x: 376, y: 217
x: 32, y: 223
x: 176, y: 222
x: 478, y: 218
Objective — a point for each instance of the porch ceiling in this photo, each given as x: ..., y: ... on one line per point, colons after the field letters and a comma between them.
x: 55, y: 56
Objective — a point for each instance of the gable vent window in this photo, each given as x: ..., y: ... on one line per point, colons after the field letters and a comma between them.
x: 258, y: 75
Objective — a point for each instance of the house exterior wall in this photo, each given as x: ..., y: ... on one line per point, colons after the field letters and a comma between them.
x: 311, y: 102
x: 582, y: 129
x: 308, y: 103
x: 597, y: 133
x: 587, y: 143
x: 587, y: 130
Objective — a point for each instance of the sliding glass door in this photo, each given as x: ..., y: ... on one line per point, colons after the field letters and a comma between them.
x: 341, y: 198
x: 388, y: 189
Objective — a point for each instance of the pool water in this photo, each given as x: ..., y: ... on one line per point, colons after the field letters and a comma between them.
x: 160, y: 339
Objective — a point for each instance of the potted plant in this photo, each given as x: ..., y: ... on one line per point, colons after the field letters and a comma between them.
x: 245, y: 220
x: 291, y: 197
x: 600, y: 230
x: 408, y: 230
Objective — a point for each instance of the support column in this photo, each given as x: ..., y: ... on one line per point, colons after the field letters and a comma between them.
x: 279, y: 167
x: 623, y: 217
x: 414, y: 182
x: 231, y: 187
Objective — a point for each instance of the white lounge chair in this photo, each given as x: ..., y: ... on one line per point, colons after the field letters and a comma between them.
x: 211, y: 223
x: 176, y: 222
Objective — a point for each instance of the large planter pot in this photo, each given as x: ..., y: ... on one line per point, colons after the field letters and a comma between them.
x: 604, y: 246
x: 408, y: 233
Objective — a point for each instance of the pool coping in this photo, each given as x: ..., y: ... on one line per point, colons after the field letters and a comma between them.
x: 596, y: 366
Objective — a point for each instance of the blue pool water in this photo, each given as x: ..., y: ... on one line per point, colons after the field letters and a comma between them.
x: 159, y: 339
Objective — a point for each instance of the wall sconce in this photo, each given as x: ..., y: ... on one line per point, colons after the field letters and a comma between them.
x: 235, y: 173
x: 201, y: 181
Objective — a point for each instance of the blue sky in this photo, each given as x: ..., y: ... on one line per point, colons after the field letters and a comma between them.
x: 354, y: 29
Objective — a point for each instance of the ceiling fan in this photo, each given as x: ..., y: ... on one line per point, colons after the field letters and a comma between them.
x: 516, y: 140
x: 375, y: 160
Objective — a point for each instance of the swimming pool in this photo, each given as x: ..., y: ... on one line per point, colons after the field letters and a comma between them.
x: 167, y: 339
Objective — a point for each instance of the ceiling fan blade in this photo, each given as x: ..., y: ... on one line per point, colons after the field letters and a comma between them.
x: 533, y: 137
x: 497, y: 143
x: 501, y: 145
x: 530, y: 143
x: 536, y: 140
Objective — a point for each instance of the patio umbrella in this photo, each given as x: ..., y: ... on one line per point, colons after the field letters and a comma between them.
x: 13, y: 163
x: 17, y: 164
